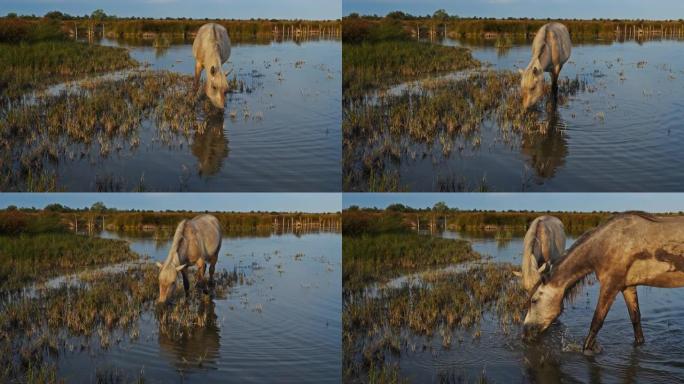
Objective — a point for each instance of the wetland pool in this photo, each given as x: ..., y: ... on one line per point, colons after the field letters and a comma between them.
x: 620, y: 131
x: 279, y: 132
x: 281, y: 324
x: 556, y: 357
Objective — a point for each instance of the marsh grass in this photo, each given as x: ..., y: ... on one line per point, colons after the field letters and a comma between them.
x: 370, y: 258
x: 96, y: 119
x: 101, y: 306
x: 379, y: 327
x: 29, y: 258
x: 379, y: 65
x: 29, y: 66
x: 437, y: 119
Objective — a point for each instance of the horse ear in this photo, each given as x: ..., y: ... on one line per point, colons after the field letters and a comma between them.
x: 160, y: 265
x: 180, y: 267
x: 517, y: 274
x: 212, y: 70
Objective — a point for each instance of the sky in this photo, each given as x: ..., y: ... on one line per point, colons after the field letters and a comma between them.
x: 612, y: 202
x: 581, y: 9
x: 240, y: 202
x: 225, y: 9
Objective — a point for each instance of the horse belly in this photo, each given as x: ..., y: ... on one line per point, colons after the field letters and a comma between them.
x: 655, y: 274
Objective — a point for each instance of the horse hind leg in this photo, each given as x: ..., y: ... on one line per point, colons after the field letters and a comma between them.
x: 606, y: 298
x: 632, y: 301
x: 201, y: 269
x: 186, y: 282
x: 212, y: 268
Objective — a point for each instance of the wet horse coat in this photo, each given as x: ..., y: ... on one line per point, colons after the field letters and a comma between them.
x: 628, y: 250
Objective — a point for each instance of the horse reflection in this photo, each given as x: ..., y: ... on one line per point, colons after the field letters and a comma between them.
x: 198, y: 346
x: 546, y: 151
x: 211, y: 146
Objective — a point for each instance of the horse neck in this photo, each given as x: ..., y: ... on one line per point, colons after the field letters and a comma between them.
x: 574, y: 266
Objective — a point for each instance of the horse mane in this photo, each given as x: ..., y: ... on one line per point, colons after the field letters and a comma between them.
x: 178, y: 236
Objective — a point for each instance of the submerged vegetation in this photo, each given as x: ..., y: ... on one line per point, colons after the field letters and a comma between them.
x: 439, y: 118
x: 380, y: 328
x: 96, y: 118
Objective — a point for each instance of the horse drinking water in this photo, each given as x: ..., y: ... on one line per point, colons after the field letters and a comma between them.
x: 551, y: 49
x: 628, y: 250
x: 211, y: 49
x: 196, y: 242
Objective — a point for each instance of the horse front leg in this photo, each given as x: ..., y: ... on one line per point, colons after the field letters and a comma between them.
x: 632, y: 301
x: 186, y: 282
x: 201, y: 269
x: 555, y: 74
x: 606, y: 298
x: 198, y: 73
x: 212, y: 268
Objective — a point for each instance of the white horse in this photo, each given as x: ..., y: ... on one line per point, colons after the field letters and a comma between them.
x: 543, y: 247
x: 211, y: 49
x: 196, y: 242
x: 551, y: 49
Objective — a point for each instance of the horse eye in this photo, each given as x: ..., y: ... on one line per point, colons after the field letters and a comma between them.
x: 534, y: 301
x: 213, y: 87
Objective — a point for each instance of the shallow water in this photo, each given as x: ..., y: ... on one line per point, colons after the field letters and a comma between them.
x: 557, y: 357
x: 283, y: 326
x: 284, y: 135
x: 622, y: 133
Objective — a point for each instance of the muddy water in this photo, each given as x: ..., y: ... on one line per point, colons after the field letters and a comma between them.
x: 622, y: 133
x: 556, y: 357
x: 284, y: 325
x: 281, y: 135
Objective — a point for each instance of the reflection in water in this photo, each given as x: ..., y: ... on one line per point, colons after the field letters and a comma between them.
x: 196, y: 346
x: 211, y: 146
x: 546, y: 151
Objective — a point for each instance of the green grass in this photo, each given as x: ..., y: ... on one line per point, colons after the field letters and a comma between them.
x: 370, y: 258
x: 379, y: 65
x: 32, y: 258
x: 36, y: 65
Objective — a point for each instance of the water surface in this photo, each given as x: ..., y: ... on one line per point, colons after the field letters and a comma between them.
x: 283, y: 324
x: 557, y: 357
x: 620, y: 133
x: 281, y: 134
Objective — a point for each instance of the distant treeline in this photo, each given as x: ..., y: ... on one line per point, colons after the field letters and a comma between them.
x: 355, y: 26
x: 398, y: 219
x: 14, y: 221
x: 14, y: 28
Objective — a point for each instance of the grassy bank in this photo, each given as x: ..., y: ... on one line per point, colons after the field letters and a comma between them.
x: 34, y: 258
x: 379, y: 65
x: 35, y: 54
x: 370, y: 259
x: 37, y: 65
x: 377, y: 55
